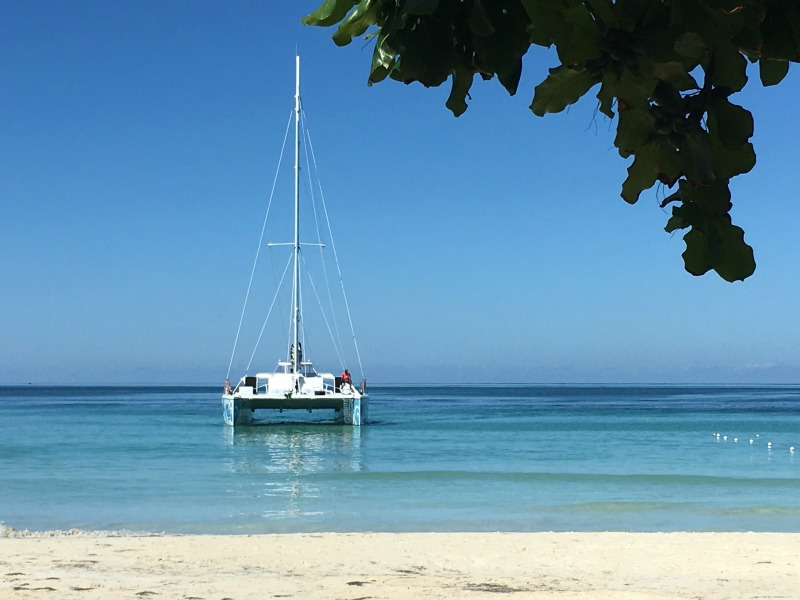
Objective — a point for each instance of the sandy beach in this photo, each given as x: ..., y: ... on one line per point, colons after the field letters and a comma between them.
x: 358, y: 566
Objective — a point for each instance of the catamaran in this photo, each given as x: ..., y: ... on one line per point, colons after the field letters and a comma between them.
x: 295, y: 383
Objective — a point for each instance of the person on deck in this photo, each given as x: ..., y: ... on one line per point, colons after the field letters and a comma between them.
x: 346, y: 377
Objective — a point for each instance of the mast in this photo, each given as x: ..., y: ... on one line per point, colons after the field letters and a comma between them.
x: 296, y: 286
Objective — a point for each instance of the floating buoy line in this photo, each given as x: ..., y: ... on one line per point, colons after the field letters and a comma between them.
x: 752, y: 441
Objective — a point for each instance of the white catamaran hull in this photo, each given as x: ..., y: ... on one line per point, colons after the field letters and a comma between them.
x: 352, y: 410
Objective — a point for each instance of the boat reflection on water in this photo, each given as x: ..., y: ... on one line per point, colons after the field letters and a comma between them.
x: 296, y: 448
x: 292, y: 469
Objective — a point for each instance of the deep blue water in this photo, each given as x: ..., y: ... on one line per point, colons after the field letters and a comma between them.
x: 470, y: 458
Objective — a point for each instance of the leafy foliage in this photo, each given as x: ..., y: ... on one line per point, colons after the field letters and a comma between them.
x: 664, y: 69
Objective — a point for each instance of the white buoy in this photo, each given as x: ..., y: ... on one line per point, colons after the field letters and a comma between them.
x: 735, y: 440
x: 751, y: 440
x: 769, y: 444
x: 725, y: 437
x: 791, y: 449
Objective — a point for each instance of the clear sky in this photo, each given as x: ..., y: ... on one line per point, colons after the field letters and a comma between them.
x: 138, y: 142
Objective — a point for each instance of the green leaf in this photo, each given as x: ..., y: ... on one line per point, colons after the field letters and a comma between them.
x: 501, y: 52
x: 564, y: 86
x: 603, y: 10
x: 728, y: 163
x: 356, y: 23
x: 714, y: 199
x: 641, y: 175
x: 674, y: 223
x: 669, y: 107
x: 736, y: 262
x: 634, y: 89
x: 732, y: 124
x: 547, y: 22
x: 634, y: 129
x: 652, y: 162
x: 730, y: 68
x: 695, y: 258
x: 674, y: 72
x: 690, y: 45
x: 772, y: 72
x: 582, y: 40
x: 551, y: 21
x: 479, y: 23
x: 383, y: 60
x: 660, y: 36
x: 606, y: 98
x: 330, y: 12
x: 426, y: 51
x: 462, y: 81
x: 779, y: 30
x: 729, y: 128
x: 419, y: 7
x: 684, y: 215
x: 720, y: 247
x: 696, y: 148
x: 748, y: 38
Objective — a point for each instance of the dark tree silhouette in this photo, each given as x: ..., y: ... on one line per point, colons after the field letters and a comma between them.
x: 664, y: 69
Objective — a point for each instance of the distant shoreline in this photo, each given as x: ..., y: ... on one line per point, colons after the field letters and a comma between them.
x: 436, y: 385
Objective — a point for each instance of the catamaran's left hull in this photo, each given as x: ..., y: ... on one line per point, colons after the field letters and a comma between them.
x: 235, y: 411
x: 240, y: 411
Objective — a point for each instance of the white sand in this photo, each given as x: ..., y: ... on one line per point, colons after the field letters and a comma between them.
x: 410, y: 565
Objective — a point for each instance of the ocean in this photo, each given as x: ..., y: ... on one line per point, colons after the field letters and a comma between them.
x: 433, y: 458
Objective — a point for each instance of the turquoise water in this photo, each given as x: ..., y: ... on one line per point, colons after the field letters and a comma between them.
x: 479, y: 458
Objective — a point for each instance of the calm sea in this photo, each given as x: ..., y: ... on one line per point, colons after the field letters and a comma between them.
x: 469, y: 458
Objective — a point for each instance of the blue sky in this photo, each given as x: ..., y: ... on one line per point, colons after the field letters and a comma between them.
x: 138, y: 146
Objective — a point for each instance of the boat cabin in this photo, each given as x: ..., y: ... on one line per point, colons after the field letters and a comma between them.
x: 282, y: 381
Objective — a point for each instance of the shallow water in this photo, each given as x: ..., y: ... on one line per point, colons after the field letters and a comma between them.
x: 469, y: 458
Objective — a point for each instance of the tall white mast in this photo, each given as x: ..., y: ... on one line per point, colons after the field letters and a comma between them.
x: 296, y: 294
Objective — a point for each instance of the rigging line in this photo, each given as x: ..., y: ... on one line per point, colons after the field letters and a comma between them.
x: 277, y: 291
x: 258, y: 249
x: 324, y: 316
x: 338, y: 268
x: 307, y: 140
